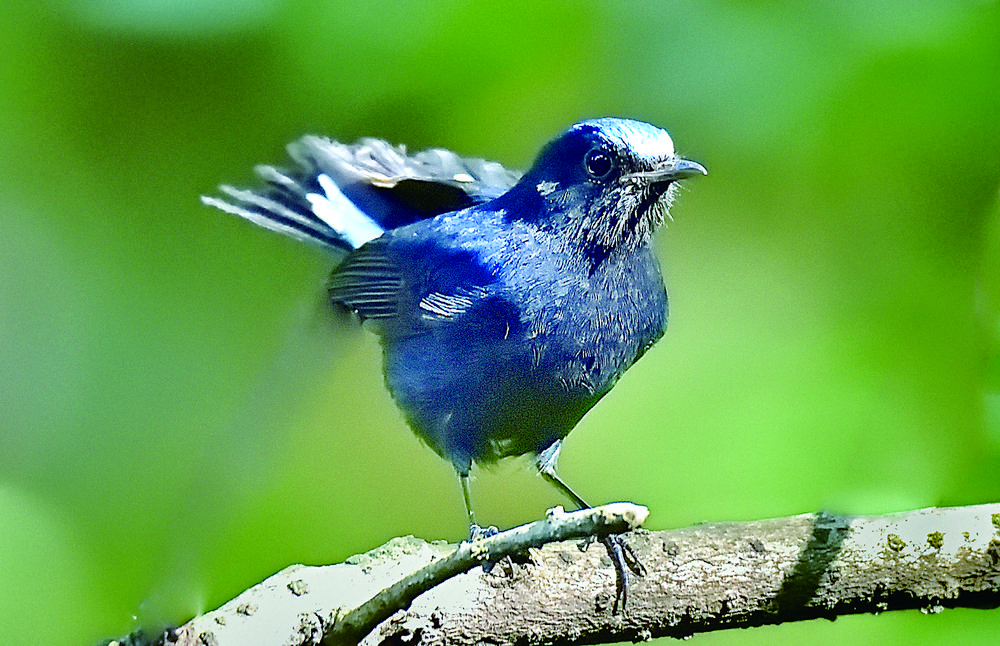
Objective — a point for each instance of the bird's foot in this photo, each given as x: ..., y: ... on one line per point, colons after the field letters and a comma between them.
x: 477, y: 533
x: 624, y: 558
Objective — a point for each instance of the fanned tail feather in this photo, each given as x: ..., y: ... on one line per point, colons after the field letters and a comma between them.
x: 341, y: 196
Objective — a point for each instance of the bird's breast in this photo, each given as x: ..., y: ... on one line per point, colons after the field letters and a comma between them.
x: 585, y: 332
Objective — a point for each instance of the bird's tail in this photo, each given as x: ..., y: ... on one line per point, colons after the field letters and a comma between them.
x: 307, y: 203
x: 341, y: 196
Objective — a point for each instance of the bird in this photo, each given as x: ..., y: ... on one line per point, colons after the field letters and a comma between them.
x: 507, y: 304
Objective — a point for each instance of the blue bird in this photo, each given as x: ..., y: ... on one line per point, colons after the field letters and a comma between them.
x: 506, y: 305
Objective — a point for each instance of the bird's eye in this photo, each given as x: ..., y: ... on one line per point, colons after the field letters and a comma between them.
x: 597, y: 163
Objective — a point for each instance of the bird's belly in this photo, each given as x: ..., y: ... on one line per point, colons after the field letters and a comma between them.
x: 482, y: 399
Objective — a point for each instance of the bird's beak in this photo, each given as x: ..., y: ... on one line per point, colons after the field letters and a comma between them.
x: 670, y: 170
x: 681, y: 168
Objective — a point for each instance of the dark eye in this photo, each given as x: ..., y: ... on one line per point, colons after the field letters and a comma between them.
x: 598, y: 163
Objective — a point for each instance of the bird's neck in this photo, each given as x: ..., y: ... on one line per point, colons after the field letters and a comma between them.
x: 573, y: 231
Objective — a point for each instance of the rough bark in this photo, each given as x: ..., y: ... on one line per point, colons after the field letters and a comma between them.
x: 701, y: 578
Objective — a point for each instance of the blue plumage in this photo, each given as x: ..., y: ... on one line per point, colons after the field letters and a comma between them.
x: 507, y: 305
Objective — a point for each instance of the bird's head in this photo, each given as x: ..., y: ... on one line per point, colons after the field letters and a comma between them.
x: 606, y: 183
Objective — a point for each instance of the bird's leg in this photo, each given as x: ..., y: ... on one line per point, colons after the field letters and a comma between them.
x: 475, y: 531
x: 547, y: 468
x: 621, y: 553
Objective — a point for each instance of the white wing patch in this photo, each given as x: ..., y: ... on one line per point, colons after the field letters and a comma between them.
x: 341, y: 215
x: 437, y: 304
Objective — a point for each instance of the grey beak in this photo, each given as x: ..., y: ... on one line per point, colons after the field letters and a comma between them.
x: 685, y: 168
x: 671, y: 170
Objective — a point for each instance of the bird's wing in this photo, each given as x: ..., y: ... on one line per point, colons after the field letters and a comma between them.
x: 342, y: 195
x: 413, y: 279
x: 368, y: 281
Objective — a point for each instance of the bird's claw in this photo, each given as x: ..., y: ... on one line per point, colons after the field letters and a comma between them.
x: 477, y: 533
x: 622, y: 557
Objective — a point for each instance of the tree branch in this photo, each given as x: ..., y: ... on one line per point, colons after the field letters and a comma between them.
x: 702, y: 578
x: 558, y: 526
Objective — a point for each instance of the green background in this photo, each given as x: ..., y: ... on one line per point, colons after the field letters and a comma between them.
x: 180, y: 419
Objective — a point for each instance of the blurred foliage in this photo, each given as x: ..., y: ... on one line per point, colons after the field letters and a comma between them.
x: 181, y: 418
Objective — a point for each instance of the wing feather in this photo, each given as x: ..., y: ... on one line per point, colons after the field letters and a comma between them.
x: 368, y: 282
